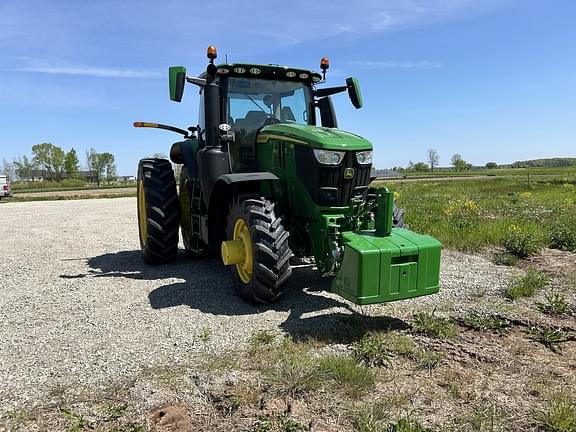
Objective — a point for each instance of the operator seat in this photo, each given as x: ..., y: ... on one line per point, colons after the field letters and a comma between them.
x: 252, y: 121
x: 287, y: 115
x: 244, y: 150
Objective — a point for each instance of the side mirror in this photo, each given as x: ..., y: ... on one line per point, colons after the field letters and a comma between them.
x: 177, y: 76
x: 354, y: 92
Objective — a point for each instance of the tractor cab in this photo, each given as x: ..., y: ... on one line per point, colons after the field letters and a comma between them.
x: 252, y: 101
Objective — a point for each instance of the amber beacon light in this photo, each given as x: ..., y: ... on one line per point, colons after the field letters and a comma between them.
x: 211, y: 52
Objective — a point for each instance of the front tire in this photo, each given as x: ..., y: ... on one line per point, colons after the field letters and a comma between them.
x: 158, y: 211
x: 263, y: 273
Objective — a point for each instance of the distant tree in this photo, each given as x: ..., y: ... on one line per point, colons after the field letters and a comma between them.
x: 7, y: 168
x: 72, y: 164
x: 58, y: 157
x: 433, y: 158
x: 491, y: 165
x: 160, y: 156
x: 410, y: 166
x: 100, y: 163
x: 420, y: 166
x: 110, y: 166
x: 49, y: 157
x: 42, y: 157
x: 23, y: 168
x: 459, y: 163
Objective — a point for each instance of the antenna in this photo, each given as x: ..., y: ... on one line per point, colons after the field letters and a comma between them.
x: 226, y: 58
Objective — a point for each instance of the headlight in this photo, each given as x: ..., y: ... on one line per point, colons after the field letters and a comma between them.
x: 364, y: 157
x: 328, y: 157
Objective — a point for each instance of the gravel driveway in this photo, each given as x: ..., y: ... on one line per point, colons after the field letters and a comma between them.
x: 78, y: 308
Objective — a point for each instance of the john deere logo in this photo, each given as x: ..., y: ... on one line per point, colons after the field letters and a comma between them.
x: 348, y: 173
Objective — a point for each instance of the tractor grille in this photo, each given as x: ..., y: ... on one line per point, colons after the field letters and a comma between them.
x: 326, y: 184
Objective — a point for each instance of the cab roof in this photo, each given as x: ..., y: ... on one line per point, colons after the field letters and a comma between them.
x: 269, y: 71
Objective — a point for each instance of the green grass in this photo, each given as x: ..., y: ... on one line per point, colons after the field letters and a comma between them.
x: 470, y: 215
x: 76, y: 422
x: 245, y: 394
x: 428, y: 360
x: 558, y: 414
x: 485, y: 417
x: 294, y: 375
x: 278, y: 423
x: 375, y: 418
x: 64, y: 185
x: 80, y: 196
x: 486, y: 322
x: 430, y: 324
x: 563, y: 231
x: 347, y: 375
x: 555, y: 304
x: 370, y: 418
x: 288, y: 367
x: 205, y: 334
x: 527, y: 285
x: 407, y: 425
x: 505, y: 259
x: 548, y: 336
x: 377, y: 348
x: 499, y: 172
x: 524, y: 240
x: 113, y: 411
x: 261, y: 338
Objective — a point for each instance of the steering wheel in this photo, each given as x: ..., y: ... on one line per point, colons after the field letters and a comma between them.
x: 270, y: 121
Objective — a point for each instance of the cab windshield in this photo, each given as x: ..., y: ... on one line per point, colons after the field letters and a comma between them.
x: 253, y: 103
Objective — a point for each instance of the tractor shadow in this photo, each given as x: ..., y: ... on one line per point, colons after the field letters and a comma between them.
x: 206, y: 285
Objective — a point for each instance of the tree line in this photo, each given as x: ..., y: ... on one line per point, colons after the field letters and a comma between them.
x: 55, y: 164
x: 433, y: 157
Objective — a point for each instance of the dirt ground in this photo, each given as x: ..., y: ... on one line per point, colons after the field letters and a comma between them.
x: 92, y: 339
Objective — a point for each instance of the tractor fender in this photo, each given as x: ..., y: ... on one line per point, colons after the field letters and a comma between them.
x: 226, y: 187
x: 184, y: 152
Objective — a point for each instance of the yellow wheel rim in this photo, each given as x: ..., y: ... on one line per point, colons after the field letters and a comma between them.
x: 241, y: 232
x: 142, y: 217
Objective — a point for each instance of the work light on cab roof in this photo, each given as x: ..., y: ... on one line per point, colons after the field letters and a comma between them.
x: 267, y: 175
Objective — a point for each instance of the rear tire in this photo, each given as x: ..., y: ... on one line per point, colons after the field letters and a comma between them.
x: 158, y: 211
x: 270, y: 270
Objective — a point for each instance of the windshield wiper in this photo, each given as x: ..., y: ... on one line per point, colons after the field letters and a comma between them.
x: 256, y: 103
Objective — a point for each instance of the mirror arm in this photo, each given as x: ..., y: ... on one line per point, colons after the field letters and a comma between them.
x: 329, y: 91
x: 198, y: 81
x: 165, y: 127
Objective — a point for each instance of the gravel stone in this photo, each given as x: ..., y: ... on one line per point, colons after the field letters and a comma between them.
x: 80, y: 309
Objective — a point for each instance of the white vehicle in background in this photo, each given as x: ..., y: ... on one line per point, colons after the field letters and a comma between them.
x: 4, y: 187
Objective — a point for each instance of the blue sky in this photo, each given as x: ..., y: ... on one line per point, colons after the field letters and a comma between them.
x: 493, y: 80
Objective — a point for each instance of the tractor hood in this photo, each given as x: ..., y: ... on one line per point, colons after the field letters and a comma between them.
x: 313, y: 136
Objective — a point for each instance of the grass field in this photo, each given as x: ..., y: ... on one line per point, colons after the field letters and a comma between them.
x: 63, y: 186
x: 76, y: 196
x: 500, y: 172
x: 513, y: 213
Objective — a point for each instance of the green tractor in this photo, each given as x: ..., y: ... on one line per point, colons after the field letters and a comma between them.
x: 261, y: 182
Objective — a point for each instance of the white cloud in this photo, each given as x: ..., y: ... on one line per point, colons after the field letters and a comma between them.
x: 92, y: 71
